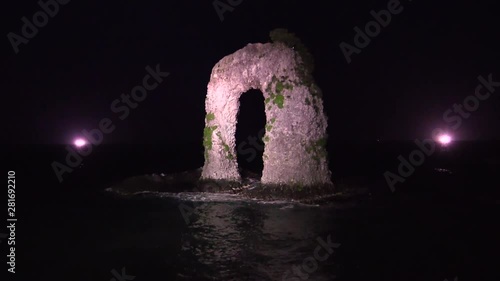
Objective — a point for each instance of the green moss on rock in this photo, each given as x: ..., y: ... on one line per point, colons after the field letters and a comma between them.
x: 317, y: 149
x: 225, y: 147
x: 210, y: 116
x: 279, y: 100
x: 276, y: 96
x: 227, y: 150
x: 207, y: 139
x: 304, y: 59
x: 291, y: 40
x: 280, y: 85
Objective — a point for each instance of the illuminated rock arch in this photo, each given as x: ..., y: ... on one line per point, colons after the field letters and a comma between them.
x: 295, y: 137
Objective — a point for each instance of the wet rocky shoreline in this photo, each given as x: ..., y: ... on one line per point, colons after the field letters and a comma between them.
x: 250, y: 187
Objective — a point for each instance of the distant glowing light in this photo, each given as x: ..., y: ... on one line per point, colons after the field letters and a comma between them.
x: 444, y: 139
x: 80, y: 142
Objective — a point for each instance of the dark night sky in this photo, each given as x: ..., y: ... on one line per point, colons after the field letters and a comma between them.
x: 65, y: 78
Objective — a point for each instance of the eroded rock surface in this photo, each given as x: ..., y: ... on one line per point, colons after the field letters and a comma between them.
x: 295, y: 137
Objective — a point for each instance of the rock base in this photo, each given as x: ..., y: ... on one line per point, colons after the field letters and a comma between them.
x: 250, y: 187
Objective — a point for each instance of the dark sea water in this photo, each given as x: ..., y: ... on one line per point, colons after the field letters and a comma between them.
x: 441, y: 223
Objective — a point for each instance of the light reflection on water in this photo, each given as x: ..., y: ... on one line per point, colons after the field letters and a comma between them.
x: 249, y: 241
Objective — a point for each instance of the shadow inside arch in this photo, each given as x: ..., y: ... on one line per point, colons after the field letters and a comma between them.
x: 250, y: 130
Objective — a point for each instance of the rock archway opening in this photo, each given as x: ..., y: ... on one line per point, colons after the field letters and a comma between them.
x: 250, y: 131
